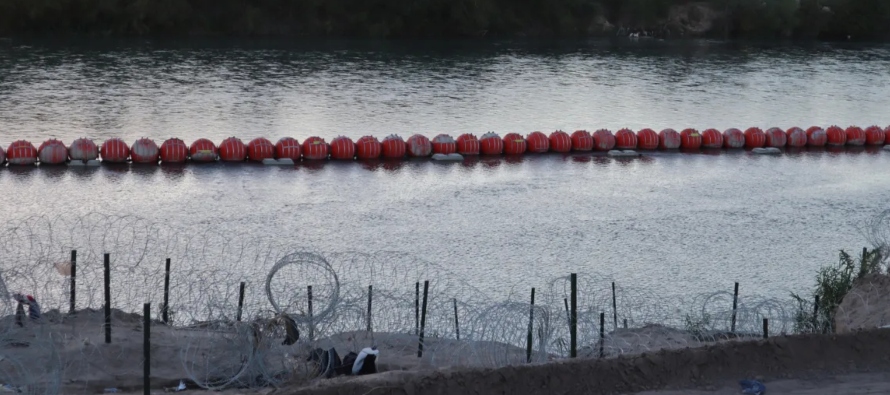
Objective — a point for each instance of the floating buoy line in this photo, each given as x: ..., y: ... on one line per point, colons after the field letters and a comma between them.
x: 289, y: 151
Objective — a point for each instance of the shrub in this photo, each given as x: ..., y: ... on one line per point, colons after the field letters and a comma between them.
x: 832, y: 284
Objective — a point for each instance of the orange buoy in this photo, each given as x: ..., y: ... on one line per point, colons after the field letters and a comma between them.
x: 52, y: 152
x: 887, y: 135
x: 690, y: 139
x: 174, y: 151
x: 392, y: 146
x: 836, y: 135
x: 775, y: 137
x: 537, y: 142
x: 647, y: 139
x: 259, y: 149
x: 83, y: 149
x: 444, y: 144
x: 288, y: 148
x: 816, y: 136
x: 315, y: 148
x: 203, y: 150
x: 418, y: 146
x: 711, y: 138
x: 603, y: 140
x: 514, y: 144
x: 668, y: 139
x: 796, y: 137
x: 874, y: 135
x: 367, y: 147
x: 467, y: 144
x: 144, y: 151
x: 21, y: 152
x: 114, y: 151
x: 491, y: 144
x: 560, y: 141
x: 733, y: 138
x: 232, y: 149
x: 625, y: 139
x: 342, y: 148
x: 582, y: 140
x: 754, y: 138
x: 855, y: 135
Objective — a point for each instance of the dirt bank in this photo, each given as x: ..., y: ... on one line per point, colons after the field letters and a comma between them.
x: 866, y: 306
x: 67, y: 354
x: 703, y: 368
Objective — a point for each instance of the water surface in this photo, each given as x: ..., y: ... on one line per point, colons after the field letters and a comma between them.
x: 677, y: 223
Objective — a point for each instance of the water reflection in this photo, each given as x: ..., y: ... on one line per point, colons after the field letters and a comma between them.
x: 53, y: 172
x: 581, y: 158
x: 514, y: 159
x: 173, y: 171
x: 144, y: 169
x: 83, y: 173
x: 20, y: 171
x: 470, y: 161
x: 215, y: 88
x: 312, y: 166
x: 392, y: 165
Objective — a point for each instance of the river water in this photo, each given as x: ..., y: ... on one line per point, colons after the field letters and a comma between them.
x: 670, y: 222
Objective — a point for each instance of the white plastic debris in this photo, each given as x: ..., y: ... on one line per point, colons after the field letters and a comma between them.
x: 369, y: 355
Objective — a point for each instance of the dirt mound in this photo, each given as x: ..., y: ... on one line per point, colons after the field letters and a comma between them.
x: 866, y: 306
x: 775, y: 358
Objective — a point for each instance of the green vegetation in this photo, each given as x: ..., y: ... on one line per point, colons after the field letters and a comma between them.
x: 832, y: 284
x: 821, y: 19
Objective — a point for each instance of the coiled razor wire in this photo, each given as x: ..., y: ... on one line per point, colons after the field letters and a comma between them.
x: 303, y: 261
x: 216, y: 352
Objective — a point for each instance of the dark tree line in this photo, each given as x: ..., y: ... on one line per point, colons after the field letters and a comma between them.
x: 811, y: 19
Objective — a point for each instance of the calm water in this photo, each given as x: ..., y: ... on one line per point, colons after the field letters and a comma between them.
x: 676, y: 222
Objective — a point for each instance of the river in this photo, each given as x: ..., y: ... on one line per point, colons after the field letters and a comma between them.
x: 669, y: 222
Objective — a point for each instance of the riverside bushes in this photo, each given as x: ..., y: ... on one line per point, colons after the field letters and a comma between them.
x: 832, y: 285
x: 822, y: 19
